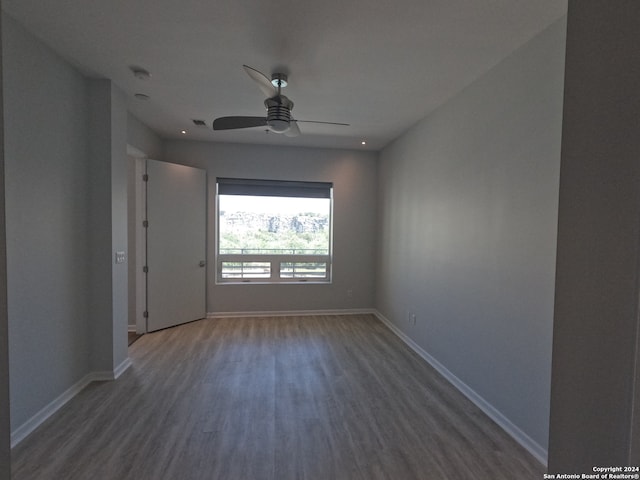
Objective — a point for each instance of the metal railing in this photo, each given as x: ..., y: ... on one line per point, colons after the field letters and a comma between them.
x: 258, y: 266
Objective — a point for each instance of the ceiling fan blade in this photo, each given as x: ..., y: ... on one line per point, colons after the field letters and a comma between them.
x: 326, y: 123
x: 231, y: 123
x: 294, y: 130
x: 263, y: 82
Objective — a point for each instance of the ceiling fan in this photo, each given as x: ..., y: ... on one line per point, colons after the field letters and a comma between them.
x: 278, y: 119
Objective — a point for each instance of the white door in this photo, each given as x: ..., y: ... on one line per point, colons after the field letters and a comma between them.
x: 176, y: 244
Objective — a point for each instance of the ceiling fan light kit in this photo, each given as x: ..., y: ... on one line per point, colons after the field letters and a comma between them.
x: 279, y: 80
x: 278, y: 113
x: 278, y: 119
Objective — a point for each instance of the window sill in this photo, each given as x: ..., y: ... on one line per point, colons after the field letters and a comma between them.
x: 286, y: 282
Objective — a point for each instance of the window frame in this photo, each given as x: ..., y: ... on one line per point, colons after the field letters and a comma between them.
x: 275, y: 261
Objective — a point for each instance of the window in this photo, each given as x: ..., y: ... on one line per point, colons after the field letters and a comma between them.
x: 273, y: 231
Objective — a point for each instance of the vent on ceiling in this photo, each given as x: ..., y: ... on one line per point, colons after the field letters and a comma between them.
x: 199, y: 123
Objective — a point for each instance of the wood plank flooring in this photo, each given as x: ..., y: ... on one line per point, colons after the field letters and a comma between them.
x: 282, y: 398
x: 132, y: 337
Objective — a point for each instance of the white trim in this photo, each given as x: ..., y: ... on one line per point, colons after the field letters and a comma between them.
x: 101, y: 376
x: 131, y: 328
x: 140, y: 288
x: 120, y: 369
x: 39, y: 418
x: 533, y: 447
x: 107, y: 376
x: 292, y: 313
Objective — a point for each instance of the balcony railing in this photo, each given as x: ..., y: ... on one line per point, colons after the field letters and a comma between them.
x: 273, y: 265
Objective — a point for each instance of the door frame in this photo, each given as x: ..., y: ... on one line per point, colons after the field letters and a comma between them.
x: 141, y: 246
x: 138, y: 289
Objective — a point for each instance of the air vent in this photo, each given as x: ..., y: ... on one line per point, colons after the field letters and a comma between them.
x: 199, y: 123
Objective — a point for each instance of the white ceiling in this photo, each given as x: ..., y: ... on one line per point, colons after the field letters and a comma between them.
x: 379, y: 65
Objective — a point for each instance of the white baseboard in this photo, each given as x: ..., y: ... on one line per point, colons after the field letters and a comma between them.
x: 34, y: 422
x: 292, y: 313
x: 131, y: 328
x: 533, y: 447
x: 120, y: 369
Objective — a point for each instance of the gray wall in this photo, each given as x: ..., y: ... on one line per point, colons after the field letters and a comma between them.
x: 108, y: 225
x: 46, y: 172
x: 119, y: 227
x: 353, y: 174
x: 596, y: 311
x: 100, y: 285
x: 467, y: 230
x: 5, y: 421
x: 65, y: 170
x: 143, y: 138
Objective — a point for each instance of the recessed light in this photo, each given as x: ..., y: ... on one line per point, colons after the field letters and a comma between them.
x: 184, y: 132
x: 141, y: 96
x: 364, y: 143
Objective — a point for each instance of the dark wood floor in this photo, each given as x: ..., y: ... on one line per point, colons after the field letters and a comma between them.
x: 132, y: 337
x: 324, y: 397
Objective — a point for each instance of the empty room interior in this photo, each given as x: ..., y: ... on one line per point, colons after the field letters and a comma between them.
x: 458, y: 297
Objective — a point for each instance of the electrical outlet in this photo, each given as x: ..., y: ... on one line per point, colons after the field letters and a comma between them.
x: 413, y: 319
x: 121, y: 257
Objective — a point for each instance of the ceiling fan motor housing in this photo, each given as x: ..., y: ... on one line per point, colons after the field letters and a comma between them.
x: 278, y: 113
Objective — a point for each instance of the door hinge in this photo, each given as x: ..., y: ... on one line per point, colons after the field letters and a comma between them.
x: 145, y: 178
x: 145, y: 269
x: 145, y: 223
x: 145, y: 314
